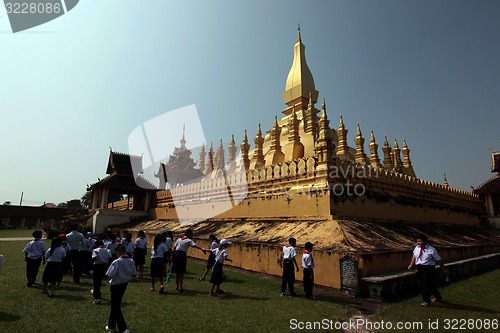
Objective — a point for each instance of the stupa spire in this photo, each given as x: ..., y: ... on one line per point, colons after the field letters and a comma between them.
x: 293, y: 149
x: 445, y: 183
x: 374, y: 159
x: 275, y: 155
x: 360, y: 156
x: 398, y: 164
x: 387, y: 155
x: 342, y: 149
x: 210, y: 165
x: 300, y: 82
x: 219, y: 160
x: 324, y: 148
x: 258, y: 154
x: 244, y: 151
x: 183, y: 139
x: 202, y: 158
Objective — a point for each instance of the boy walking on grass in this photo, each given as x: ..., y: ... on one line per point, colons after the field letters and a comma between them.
x: 426, y: 257
x: 121, y: 272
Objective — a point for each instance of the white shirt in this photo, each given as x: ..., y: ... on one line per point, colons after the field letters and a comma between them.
x: 307, y: 260
x: 160, y: 250
x: 429, y: 255
x: 183, y: 243
x: 85, y: 245
x: 169, y: 243
x: 288, y: 252
x: 121, y: 270
x: 129, y: 247
x: 57, y: 256
x: 220, y: 255
x: 141, y: 243
x: 74, y: 239
x: 101, y: 255
x: 112, y: 246
x: 35, y: 248
x: 214, y: 246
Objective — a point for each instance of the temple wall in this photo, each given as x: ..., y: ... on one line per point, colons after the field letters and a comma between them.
x: 380, y: 263
x: 266, y: 259
x: 302, y: 190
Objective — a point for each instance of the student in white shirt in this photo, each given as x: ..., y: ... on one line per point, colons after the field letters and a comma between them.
x: 141, y: 246
x: 156, y: 268
x: 288, y: 276
x: 53, y: 271
x: 216, y: 277
x: 426, y: 257
x: 211, y: 256
x: 179, y: 257
x: 100, y: 257
x: 121, y: 272
x: 308, y: 270
x: 34, y: 253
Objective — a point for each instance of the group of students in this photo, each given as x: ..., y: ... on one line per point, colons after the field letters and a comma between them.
x: 289, y: 263
x: 120, y: 260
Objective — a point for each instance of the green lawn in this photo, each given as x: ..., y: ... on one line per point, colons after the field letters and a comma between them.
x: 467, y: 305
x: 16, y: 233
x: 250, y: 304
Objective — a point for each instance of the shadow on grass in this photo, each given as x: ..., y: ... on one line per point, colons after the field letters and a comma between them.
x: 8, y: 317
x: 68, y: 297
x: 229, y: 296
x: 462, y: 307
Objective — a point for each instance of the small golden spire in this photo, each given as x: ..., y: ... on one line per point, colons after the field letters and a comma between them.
x: 372, y: 137
x: 358, y: 131
x: 299, y: 40
x: 341, y: 124
x: 445, y: 183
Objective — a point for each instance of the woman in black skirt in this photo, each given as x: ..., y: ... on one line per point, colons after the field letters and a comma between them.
x: 141, y: 244
x: 216, y: 277
x: 179, y: 257
x: 53, y: 271
x: 156, y: 268
x: 211, y: 257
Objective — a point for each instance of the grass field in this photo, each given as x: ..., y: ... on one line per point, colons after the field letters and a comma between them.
x: 251, y: 304
x: 16, y: 233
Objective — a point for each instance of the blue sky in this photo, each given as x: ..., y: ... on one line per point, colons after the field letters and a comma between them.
x: 427, y: 71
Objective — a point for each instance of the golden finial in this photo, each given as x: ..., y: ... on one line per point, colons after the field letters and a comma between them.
x: 405, y: 146
x: 372, y: 137
x: 358, y: 131
x: 445, y: 183
x: 341, y: 121
x: 245, y: 135
x: 396, y: 146
x: 299, y: 40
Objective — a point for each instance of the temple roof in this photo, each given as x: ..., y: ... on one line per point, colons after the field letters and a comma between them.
x: 122, y: 163
x: 492, y: 185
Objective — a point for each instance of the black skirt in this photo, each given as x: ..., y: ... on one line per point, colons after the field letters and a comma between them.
x: 216, y: 276
x: 53, y: 272
x: 139, y: 256
x: 179, y: 262
x: 156, y: 268
x: 211, y: 260
x: 167, y: 257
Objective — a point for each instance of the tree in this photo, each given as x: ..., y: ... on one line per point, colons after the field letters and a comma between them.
x: 78, y: 214
x: 7, y: 203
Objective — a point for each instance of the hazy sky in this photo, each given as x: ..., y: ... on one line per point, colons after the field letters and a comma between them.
x: 427, y: 71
